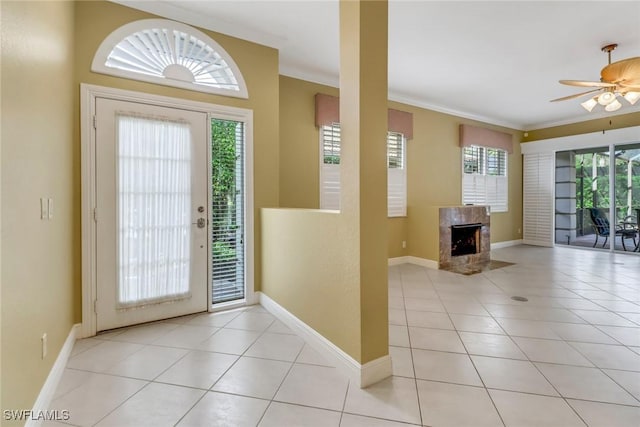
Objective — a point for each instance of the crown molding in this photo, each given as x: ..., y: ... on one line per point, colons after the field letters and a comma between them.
x: 627, y: 109
x: 333, y: 81
x: 453, y: 112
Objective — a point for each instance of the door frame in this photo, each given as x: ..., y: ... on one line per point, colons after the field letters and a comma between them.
x: 88, y: 95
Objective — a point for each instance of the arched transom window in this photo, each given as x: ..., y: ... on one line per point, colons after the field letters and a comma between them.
x: 169, y: 53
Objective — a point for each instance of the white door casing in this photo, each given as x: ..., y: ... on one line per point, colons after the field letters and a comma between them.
x: 89, y: 96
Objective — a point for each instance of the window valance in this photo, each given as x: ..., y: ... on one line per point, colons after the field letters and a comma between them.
x: 328, y: 112
x: 473, y: 135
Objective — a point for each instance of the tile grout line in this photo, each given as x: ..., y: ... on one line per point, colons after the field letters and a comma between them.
x: 484, y: 386
x: 279, y: 385
x: 413, y: 365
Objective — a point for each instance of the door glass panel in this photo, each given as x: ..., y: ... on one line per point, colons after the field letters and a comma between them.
x: 627, y: 195
x: 582, y: 198
x: 154, y: 210
x: 227, y: 214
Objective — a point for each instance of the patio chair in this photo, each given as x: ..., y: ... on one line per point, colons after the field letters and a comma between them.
x: 602, y: 228
x: 630, y: 223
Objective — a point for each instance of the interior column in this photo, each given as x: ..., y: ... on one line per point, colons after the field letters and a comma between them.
x: 363, y: 120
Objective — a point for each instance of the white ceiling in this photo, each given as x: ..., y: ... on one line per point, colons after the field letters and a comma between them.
x: 498, y: 62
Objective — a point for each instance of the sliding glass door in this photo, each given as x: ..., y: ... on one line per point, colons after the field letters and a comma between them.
x: 597, y: 197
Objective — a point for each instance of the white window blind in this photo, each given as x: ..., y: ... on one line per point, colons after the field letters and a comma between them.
x: 330, y: 171
x: 227, y: 210
x: 484, y: 179
x: 154, y: 210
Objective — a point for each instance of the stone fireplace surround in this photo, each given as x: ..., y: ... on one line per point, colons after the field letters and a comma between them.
x: 460, y: 215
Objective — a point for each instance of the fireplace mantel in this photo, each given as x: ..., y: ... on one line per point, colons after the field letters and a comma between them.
x: 463, y: 215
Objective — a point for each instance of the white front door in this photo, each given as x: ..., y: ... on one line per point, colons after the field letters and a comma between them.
x: 151, y: 212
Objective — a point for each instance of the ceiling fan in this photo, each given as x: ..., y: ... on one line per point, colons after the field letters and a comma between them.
x: 621, y: 78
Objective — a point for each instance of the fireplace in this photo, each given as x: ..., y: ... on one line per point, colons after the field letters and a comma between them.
x: 464, y: 236
x: 465, y: 239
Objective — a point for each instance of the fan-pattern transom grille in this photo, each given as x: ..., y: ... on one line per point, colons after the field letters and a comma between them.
x: 169, y: 53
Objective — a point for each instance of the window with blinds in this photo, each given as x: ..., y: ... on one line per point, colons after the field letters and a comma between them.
x: 331, y: 144
x: 395, y: 150
x: 396, y: 175
x: 330, y: 171
x: 484, y: 177
x: 227, y: 213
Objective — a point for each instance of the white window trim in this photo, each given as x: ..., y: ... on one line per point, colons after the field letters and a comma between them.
x: 487, y: 179
x: 88, y: 95
x: 112, y: 40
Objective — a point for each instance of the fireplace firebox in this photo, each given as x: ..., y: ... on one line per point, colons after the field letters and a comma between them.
x: 465, y: 239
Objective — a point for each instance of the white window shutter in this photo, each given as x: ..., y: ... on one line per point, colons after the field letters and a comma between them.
x: 537, y: 203
x: 497, y: 193
x: 502, y: 196
x: 397, y: 192
x: 482, y: 188
x: 473, y: 189
x: 330, y: 186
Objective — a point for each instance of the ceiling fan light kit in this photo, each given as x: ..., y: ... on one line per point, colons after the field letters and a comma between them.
x: 617, y: 79
x: 589, y: 104
x: 613, y: 106
x: 632, y: 97
x: 606, y: 98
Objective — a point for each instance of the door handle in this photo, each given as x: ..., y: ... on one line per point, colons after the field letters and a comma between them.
x: 201, y: 223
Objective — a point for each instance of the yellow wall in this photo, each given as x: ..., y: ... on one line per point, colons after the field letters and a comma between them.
x: 434, y: 169
x: 258, y: 64
x: 310, y: 264
x: 39, y: 258
x: 299, y: 143
x: 606, y: 123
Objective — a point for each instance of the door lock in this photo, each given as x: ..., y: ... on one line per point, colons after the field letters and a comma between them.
x: 200, y: 209
x: 201, y: 222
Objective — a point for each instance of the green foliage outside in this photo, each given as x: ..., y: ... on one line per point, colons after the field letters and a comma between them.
x: 224, y: 161
x: 331, y: 159
x: 586, y: 197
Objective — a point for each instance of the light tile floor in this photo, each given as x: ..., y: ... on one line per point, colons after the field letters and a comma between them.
x: 464, y: 354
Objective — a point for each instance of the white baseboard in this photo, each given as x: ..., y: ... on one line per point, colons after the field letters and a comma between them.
x: 429, y: 263
x: 399, y: 260
x: 414, y: 260
x: 361, y: 375
x: 51, y: 384
x: 506, y: 244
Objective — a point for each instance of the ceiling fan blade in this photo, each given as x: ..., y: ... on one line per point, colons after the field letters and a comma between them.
x: 585, y: 83
x: 633, y: 85
x: 577, y: 95
x: 627, y: 69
